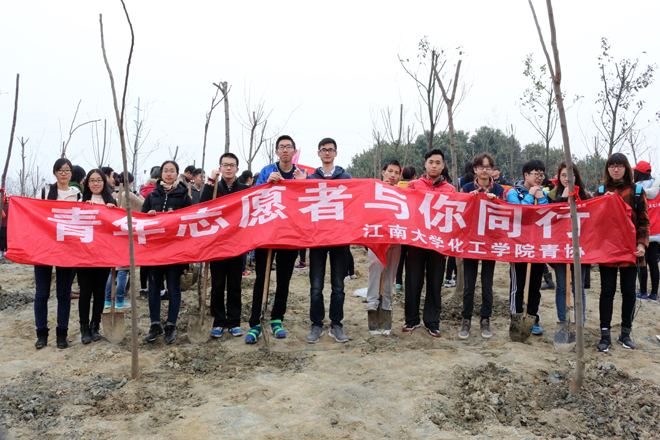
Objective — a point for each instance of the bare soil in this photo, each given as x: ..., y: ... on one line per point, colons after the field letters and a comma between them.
x: 398, y: 386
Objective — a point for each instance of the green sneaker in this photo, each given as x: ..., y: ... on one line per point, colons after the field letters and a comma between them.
x: 277, y: 329
x: 253, y: 335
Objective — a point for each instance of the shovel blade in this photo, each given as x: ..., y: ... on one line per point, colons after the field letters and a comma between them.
x: 372, y: 322
x: 565, y: 336
x: 384, y: 319
x: 199, y: 332
x: 521, y: 327
x: 114, y: 327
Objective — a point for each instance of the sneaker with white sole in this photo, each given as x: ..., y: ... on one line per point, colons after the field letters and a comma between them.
x: 465, y: 330
x: 372, y: 306
x: 338, y: 333
x: 107, y: 304
x: 410, y: 328
x: 434, y: 332
x: 485, y: 328
x: 315, y: 334
x: 123, y: 305
x: 236, y: 331
x: 216, y: 332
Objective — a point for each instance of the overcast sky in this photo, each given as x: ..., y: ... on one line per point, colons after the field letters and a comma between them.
x: 323, y: 69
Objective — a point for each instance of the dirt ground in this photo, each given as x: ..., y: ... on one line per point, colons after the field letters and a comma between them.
x: 398, y: 386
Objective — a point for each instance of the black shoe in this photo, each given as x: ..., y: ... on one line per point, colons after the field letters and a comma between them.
x: 95, y: 328
x: 42, y: 338
x: 548, y: 286
x: 61, y: 333
x: 165, y: 296
x: 154, y: 331
x: 85, y: 334
x: 605, y: 341
x: 625, y: 340
x: 170, y: 333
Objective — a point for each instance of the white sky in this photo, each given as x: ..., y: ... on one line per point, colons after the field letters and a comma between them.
x: 335, y: 63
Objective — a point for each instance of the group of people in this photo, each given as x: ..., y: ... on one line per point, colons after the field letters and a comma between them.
x: 168, y: 190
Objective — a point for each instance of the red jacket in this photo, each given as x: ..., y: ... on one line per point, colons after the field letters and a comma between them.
x: 146, y: 189
x: 425, y: 184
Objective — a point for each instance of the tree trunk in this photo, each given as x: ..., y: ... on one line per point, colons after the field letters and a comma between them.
x: 11, y: 142
x: 225, y: 91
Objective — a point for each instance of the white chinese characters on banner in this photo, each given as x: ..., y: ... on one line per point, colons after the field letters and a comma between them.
x: 202, y: 215
x: 548, y: 216
x: 326, y: 207
x: 262, y: 206
x: 397, y: 231
x: 392, y: 200
x: 367, y: 229
x: 76, y: 222
x: 139, y: 226
x: 452, y: 210
x: 505, y: 217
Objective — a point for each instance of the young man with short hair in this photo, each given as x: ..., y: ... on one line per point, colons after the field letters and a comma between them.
x: 196, y: 190
x: 327, y: 151
x: 187, y: 175
x: 228, y: 271
x: 499, y: 179
x: 381, y: 278
x: 528, y: 192
x: 421, y: 261
x: 483, y: 165
x: 285, y: 259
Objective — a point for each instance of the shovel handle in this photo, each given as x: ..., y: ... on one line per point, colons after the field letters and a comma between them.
x: 528, y: 274
x: 113, y: 288
x: 264, y: 296
x: 569, y: 287
x: 121, y: 193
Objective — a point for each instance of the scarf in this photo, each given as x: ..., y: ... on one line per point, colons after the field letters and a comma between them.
x: 167, y: 187
x: 486, y: 188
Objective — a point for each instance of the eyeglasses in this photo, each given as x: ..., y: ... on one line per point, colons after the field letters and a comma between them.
x: 169, y: 171
x: 481, y: 167
x: 95, y: 181
x: 228, y: 165
x: 286, y: 147
x: 63, y: 171
x: 537, y: 175
x: 617, y: 167
x: 327, y: 150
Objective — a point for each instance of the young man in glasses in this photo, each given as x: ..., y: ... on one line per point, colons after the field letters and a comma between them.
x: 229, y: 271
x: 528, y: 192
x: 285, y: 259
x: 318, y: 256
x: 483, y: 166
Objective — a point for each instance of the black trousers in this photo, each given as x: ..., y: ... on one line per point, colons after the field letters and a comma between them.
x: 608, y: 288
x: 286, y: 260
x: 91, y: 281
x: 418, y: 263
x: 652, y: 264
x: 451, y: 267
x: 470, y: 267
x: 229, y: 273
x: 350, y: 263
x: 402, y: 261
x: 518, y: 274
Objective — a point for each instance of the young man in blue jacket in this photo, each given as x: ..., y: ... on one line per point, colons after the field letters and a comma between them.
x: 528, y: 192
x: 318, y: 257
x: 285, y: 259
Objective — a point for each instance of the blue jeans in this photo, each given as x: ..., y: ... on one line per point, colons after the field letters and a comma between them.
x: 173, y: 274
x: 338, y: 267
x: 560, y: 293
x: 42, y: 278
x: 120, y: 294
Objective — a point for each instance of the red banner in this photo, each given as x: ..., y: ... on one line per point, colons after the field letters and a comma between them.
x: 313, y: 213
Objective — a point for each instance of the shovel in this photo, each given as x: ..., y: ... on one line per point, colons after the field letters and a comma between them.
x: 380, y: 320
x: 199, y: 327
x: 114, y: 324
x: 522, y: 323
x: 565, y: 333
x: 264, y: 296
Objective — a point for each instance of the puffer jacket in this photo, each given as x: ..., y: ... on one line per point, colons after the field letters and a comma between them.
x: 426, y: 184
x: 161, y: 201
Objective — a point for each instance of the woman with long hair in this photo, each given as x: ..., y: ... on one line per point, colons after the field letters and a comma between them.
x: 560, y: 195
x: 42, y: 274
x: 618, y: 180
x: 91, y: 280
x: 642, y: 176
x: 168, y: 195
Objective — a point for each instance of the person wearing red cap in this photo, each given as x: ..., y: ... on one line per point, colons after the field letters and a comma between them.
x: 642, y: 176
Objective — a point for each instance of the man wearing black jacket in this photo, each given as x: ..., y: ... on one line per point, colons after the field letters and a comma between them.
x: 230, y: 270
x: 318, y: 256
